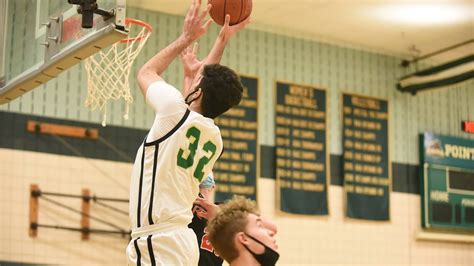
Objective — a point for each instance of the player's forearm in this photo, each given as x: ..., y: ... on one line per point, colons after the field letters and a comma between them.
x: 163, y: 59
x: 216, y: 52
x: 155, y: 67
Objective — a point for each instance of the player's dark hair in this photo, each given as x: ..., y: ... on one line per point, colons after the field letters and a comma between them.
x: 222, y: 89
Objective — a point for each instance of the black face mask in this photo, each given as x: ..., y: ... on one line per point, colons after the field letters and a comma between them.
x: 189, y: 95
x: 268, y: 258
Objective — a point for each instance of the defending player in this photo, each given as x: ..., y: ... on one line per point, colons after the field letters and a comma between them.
x: 180, y: 148
x: 203, y: 210
x: 240, y: 236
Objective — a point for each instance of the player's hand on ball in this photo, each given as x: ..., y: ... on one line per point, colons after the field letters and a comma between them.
x: 228, y: 31
x: 194, y: 26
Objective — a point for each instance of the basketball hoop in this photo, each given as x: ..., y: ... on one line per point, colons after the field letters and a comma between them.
x: 108, y: 70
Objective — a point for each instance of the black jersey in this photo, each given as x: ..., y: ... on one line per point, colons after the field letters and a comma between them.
x: 207, y: 257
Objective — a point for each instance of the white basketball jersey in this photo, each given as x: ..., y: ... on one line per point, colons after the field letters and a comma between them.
x: 167, y: 171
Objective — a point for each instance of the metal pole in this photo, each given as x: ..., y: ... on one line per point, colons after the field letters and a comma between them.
x: 406, y: 63
x: 94, y: 197
x: 102, y: 231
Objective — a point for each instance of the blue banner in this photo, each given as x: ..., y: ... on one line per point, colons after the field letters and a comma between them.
x: 366, y: 162
x: 235, y: 171
x: 301, y: 150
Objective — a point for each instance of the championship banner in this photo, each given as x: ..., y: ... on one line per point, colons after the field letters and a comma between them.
x: 447, y: 190
x: 301, y: 149
x: 235, y: 171
x: 366, y: 157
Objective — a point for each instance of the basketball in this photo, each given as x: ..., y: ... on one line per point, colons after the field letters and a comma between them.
x: 239, y: 10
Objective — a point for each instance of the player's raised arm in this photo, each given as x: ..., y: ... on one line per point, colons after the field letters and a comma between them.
x: 192, y: 65
x: 223, y: 38
x: 194, y: 27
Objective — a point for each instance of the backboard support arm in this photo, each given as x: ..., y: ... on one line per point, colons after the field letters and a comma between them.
x: 87, y: 8
x: 3, y: 44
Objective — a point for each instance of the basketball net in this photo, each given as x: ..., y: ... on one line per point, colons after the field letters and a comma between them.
x: 108, y: 70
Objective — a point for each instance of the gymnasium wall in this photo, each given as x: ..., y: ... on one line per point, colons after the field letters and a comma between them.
x: 269, y: 56
x: 68, y: 175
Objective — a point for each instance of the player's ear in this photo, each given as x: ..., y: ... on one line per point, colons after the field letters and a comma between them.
x: 198, y: 93
x: 241, y: 238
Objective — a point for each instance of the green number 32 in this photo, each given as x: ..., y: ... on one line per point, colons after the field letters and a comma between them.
x: 193, y: 135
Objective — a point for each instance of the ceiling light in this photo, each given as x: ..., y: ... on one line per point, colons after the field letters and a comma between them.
x: 426, y: 14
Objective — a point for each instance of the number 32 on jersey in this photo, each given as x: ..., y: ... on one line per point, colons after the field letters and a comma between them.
x: 193, y: 134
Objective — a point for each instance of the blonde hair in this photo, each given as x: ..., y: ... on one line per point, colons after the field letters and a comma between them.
x: 230, y: 219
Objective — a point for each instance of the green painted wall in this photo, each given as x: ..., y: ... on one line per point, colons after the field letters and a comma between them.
x: 270, y: 57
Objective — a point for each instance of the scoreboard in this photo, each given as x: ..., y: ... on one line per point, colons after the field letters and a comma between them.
x: 447, y: 183
x: 448, y: 197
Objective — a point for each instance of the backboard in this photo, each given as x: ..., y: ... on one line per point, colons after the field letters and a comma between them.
x: 39, y: 39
